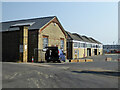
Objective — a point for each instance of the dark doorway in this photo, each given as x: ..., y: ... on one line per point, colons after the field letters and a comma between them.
x: 88, y: 51
x: 95, y: 51
x: 69, y: 50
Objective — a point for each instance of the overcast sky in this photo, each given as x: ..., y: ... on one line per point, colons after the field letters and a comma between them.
x: 93, y: 19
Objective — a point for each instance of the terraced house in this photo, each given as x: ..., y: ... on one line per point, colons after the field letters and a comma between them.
x: 81, y: 46
x: 23, y: 39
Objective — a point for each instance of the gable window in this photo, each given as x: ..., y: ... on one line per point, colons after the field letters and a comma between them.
x: 45, y: 41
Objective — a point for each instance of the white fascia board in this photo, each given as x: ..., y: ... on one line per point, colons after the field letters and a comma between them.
x: 78, y: 41
x: 88, y: 43
x: 93, y: 43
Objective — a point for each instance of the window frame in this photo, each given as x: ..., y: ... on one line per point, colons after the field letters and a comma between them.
x: 62, y: 43
x: 45, y: 44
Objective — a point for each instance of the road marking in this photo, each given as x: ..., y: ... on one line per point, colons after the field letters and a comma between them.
x: 13, y: 76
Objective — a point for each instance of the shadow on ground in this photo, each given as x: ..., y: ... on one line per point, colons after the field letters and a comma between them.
x: 110, y: 73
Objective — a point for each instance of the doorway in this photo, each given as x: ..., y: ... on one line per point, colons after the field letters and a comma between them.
x: 88, y: 51
x: 95, y: 51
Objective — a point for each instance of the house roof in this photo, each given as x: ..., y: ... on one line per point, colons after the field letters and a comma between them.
x: 95, y: 40
x: 79, y: 36
x: 86, y: 39
x: 73, y: 37
x: 68, y: 35
x: 35, y: 23
x: 90, y: 39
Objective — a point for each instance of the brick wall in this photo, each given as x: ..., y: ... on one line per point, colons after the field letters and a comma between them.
x: 32, y: 44
x: 25, y: 44
x: 54, y: 33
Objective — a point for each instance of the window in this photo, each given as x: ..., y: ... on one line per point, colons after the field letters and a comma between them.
x: 75, y: 44
x: 82, y: 45
x: 78, y: 45
x: 89, y: 46
x: 45, y: 42
x: 96, y: 46
x: 62, y: 44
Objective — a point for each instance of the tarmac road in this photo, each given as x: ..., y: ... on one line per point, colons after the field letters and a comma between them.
x: 60, y: 75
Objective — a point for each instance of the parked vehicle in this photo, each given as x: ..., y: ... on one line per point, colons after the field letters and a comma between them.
x: 52, y: 54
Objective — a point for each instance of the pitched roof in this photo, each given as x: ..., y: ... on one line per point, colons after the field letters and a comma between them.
x: 35, y: 23
x: 90, y: 39
x: 73, y: 37
x: 86, y: 39
x: 79, y: 36
x: 95, y: 40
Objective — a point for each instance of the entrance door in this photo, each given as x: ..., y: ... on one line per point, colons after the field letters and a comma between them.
x: 95, y: 51
x: 88, y: 52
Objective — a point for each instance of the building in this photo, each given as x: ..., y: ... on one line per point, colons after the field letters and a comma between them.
x: 81, y: 46
x: 97, y: 47
x: 70, y: 45
x: 111, y: 48
x: 24, y: 39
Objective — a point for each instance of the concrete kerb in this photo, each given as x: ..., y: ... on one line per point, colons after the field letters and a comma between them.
x: 81, y: 60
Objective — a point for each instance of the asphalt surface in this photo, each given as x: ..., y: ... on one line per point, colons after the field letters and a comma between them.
x: 97, y: 74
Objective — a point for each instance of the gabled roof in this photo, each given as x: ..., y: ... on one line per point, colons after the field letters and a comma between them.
x: 95, y: 40
x: 71, y: 36
x: 79, y: 36
x: 86, y: 39
x: 75, y: 36
x: 35, y: 23
x: 68, y: 35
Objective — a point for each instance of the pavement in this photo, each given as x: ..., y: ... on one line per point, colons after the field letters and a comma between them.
x: 97, y: 74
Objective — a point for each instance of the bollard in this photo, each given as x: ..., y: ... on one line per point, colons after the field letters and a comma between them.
x: 32, y: 59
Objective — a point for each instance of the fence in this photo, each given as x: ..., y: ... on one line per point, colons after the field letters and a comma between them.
x: 39, y: 55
